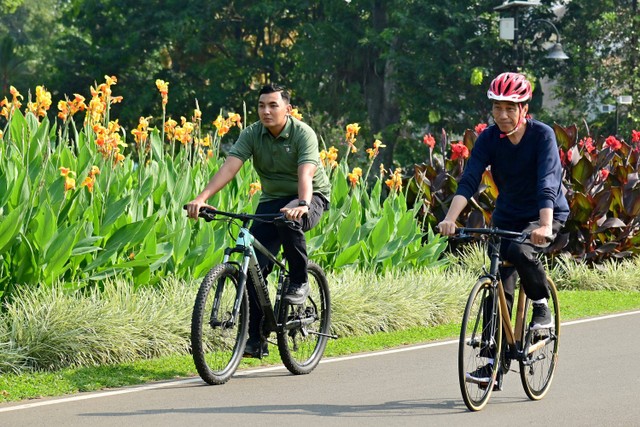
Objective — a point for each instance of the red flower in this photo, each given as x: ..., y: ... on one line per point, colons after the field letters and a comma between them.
x: 635, y: 136
x: 480, y: 127
x: 429, y: 140
x: 613, y: 143
x: 587, y: 143
x: 604, y: 173
x: 563, y: 157
x: 569, y: 155
x: 459, y: 151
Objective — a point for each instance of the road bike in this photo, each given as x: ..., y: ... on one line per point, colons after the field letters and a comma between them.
x: 220, y: 321
x: 488, y: 332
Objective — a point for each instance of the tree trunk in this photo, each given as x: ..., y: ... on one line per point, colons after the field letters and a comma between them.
x: 380, y: 90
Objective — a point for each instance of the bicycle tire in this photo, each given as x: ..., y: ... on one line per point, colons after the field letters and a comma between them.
x: 474, y: 348
x: 218, y: 348
x: 537, y: 368
x: 301, y: 345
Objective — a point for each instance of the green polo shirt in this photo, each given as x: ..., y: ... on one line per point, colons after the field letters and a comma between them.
x: 276, y: 160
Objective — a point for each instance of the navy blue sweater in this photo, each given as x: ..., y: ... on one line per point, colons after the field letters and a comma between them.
x: 528, y: 175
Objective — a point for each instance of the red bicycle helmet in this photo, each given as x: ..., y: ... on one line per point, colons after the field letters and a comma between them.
x: 512, y: 87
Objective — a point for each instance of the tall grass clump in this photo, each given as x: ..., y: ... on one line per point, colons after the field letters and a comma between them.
x: 48, y: 328
x: 615, y: 275
x: 365, y: 302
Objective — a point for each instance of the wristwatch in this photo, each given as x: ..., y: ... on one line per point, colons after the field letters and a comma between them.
x: 303, y: 202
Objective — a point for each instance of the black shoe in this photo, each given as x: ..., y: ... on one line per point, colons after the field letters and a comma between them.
x: 252, y: 349
x: 480, y: 376
x: 297, y: 293
x: 541, y: 318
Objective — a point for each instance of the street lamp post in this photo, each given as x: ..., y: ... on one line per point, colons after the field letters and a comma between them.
x: 510, y: 30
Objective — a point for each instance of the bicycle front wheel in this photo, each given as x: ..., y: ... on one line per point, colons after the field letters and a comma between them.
x: 306, y: 326
x: 539, y: 364
x: 217, y: 338
x: 480, y: 341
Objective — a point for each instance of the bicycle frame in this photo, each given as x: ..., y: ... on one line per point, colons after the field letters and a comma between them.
x: 520, y: 346
x: 246, y: 244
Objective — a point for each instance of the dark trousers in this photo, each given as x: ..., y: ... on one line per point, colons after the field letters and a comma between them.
x: 293, y: 243
x: 527, y: 265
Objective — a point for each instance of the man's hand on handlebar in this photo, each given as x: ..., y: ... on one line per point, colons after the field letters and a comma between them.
x: 193, y: 208
x: 447, y: 228
x: 541, y: 236
x: 293, y: 211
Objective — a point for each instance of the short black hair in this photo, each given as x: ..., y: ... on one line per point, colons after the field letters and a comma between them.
x: 273, y: 87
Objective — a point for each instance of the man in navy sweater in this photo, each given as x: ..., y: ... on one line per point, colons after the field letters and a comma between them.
x: 523, y: 156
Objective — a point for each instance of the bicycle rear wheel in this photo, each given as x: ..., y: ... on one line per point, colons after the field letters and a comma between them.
x: 217, y: 342
x: 306, y: 326
x: 480, y: 340
x: 538, y: 367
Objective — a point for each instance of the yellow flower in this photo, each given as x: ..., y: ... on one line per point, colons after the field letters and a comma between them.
x: 1, y: 134
x: 395, y: 181
x: 69, y: 184
x: 94, y: 171
x: 354, y: 176
x: 373, y: 152
x: 254, y: 187
x: 329, y: 158
x: 163, y: 87
x: 88, y: 182
x: 296, y: 114
x: 140, y: 134
x: 66, y: 171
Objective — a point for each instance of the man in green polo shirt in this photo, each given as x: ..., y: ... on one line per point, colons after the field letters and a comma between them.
x: 286, y: 157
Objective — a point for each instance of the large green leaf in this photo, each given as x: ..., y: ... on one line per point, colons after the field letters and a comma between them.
x: 10, y: 226
x: 114, y: 210
x: 348, y: 256
x: 58, y: 252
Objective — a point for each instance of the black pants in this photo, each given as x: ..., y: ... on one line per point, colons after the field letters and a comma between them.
x: 293, y: 243
x: 525, y: 264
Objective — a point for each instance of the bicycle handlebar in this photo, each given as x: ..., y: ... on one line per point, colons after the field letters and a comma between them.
x: 517, y: 236
x: 209, y: 214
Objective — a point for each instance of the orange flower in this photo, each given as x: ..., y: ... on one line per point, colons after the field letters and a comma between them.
x: 373, y: 152
x: 395, y: 181
x: 69, y: 184
x: 354, y: 176
x: 254, y: 187
x: 163, y: 87
x: 1, y: 134
x: 170, y: 128
x: 296, y: 114
x: 352, y: 131
x: 329, y: 157
x: 65, y: 171
x: 88, y: 182
x: 140, y: 134
x: 224, y: 125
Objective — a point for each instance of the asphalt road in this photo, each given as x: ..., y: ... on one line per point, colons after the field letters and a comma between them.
x: 597, y: 383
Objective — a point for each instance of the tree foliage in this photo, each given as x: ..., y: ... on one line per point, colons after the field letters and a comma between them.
x: 401, y: 68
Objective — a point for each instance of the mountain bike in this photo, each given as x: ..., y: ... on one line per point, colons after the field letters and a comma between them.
x: 220, y: 320
x: 488, y: 332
